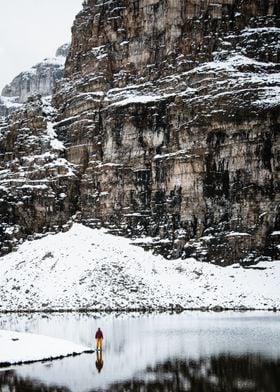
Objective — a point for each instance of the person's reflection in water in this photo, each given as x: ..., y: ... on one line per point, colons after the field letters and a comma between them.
x: 99, y: 361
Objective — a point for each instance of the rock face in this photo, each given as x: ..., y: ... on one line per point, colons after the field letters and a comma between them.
x: 62, y: 51
x: 40, y: 79
x: 169, y: 111
x: 37, y: 185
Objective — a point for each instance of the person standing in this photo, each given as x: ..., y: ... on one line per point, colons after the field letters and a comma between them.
x: 99, y: 339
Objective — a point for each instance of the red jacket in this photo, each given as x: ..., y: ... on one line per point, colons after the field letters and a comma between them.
x: 99, y: 334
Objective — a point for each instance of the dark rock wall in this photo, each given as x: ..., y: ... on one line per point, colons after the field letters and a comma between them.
x: 170, y: 110
x: 169, y: 113
x: 37, y: 185
x: 123, y: 36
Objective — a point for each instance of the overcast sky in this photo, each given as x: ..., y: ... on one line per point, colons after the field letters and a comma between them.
x: 31, y: 30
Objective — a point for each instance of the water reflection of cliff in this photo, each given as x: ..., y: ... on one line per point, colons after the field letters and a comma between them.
x: 223, y: 373
x: 10, y: 381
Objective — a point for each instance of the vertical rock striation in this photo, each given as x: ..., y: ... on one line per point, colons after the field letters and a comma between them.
x: 169, y: 115
x: 37, y: 185
x: 40, y: 79
x: 170, y: 109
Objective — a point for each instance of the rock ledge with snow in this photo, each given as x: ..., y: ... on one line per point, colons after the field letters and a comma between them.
x: 19, y: 348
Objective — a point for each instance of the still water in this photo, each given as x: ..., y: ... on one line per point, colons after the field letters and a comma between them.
x: 191, y: 351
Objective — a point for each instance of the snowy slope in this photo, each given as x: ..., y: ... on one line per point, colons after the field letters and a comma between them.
x: 22, y: 347
x: 87, y: 268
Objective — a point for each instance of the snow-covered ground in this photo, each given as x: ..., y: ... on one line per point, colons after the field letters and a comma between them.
x: 24, y: 347
x: 88, y: 268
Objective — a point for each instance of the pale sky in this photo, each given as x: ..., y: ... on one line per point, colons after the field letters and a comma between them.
x: 31, y: 30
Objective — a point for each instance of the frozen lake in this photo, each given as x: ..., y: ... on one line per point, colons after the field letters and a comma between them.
x: 191, y: 351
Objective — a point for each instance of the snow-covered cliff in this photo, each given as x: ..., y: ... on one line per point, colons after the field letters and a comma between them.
x: 40, y: 79
x: 171, y: 112
x: 169, y: 118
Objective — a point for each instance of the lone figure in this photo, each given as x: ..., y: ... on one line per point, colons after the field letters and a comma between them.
x: 99, y: 338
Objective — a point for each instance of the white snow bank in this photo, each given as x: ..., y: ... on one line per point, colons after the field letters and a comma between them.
x: 22, y: 347
x: 87, y: 268
x: 55, y: 143
x: 140, y: 99
x: 50, y: 61
x: 237, y: 234
x: 258, y: 30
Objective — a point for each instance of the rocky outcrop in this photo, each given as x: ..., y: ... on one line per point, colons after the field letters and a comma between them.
x: 62, y: 51
x: 37, y: 184
x: 40, y: 79
x: 169, y: 111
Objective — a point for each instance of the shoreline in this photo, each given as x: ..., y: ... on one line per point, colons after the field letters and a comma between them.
x: 214, y: 309
x: 4, y: 365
